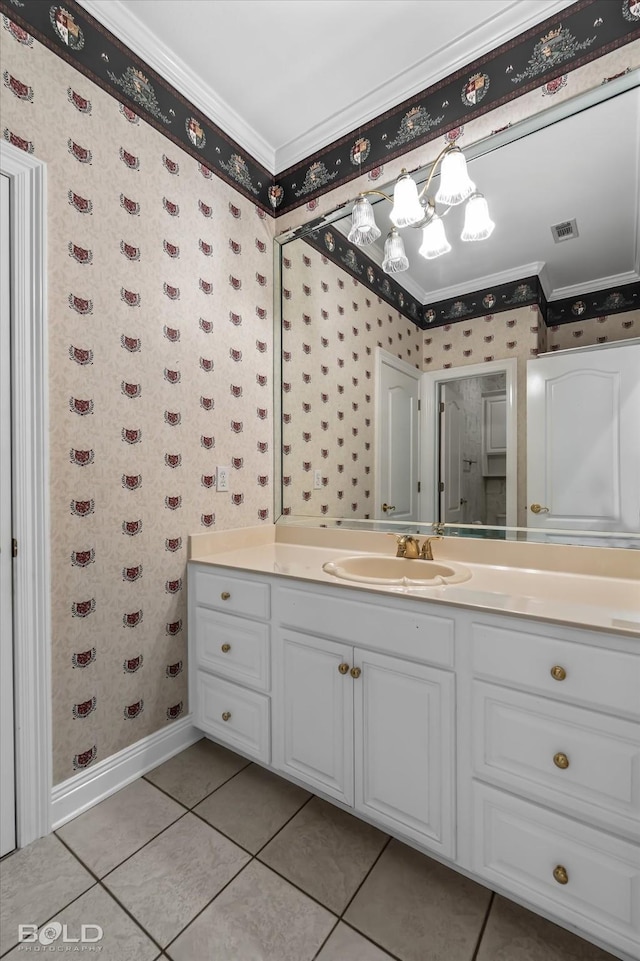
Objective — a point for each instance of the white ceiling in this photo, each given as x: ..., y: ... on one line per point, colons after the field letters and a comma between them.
x: 584, y: 167
x: 287, y: 77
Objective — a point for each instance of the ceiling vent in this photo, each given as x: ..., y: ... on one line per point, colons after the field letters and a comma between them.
x: 564, y: 231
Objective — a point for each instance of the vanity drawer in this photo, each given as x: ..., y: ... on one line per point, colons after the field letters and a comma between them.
x: 584, y: 762
x: 599, y: 678
x: 529, y: 851
x: 405, y: 630
x: 234, y: 647
x: 229, y: 593
x: 232, y: 714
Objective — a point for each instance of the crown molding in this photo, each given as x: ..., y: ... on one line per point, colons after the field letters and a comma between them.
x: 594, y: 286
x: 516, y: 18
x: 481, y: 283
x: 119, y: 20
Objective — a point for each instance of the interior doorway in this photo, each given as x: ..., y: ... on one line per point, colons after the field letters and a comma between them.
x: 469, y: 462
x: 29, y: 526
x: 472, y: 450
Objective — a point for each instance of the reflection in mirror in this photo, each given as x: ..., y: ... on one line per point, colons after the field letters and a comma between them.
x: 335, y: 327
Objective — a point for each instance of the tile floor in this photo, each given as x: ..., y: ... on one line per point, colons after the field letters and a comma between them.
x: 211, y: 858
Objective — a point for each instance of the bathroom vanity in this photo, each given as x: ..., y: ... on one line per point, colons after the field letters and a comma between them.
x: 493, y: 723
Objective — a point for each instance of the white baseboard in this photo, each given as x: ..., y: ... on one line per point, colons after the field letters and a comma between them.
x: 83, y: 790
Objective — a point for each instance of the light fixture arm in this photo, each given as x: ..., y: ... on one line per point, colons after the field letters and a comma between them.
x: 380, y: 193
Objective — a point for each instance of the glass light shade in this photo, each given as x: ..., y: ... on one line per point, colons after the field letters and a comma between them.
x: 478, y: 225
x: 455, y: 183
x: 363, y: 225
x: 395, y: 259
x: 407, y: 208
x: 434, y: 240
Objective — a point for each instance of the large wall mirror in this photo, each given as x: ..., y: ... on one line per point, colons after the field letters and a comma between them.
x: 390, y: 423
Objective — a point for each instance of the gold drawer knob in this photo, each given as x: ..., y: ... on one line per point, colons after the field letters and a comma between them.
x: 343, y: 668
x: 225, y: 595
x: 226, y: 715
x: 558, y: 673
x: 225, y: 648
x: 561, y: 761
x: 355, y: 672
x: 560, y: 874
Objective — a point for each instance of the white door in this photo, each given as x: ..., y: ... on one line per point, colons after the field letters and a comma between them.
x: 583, y: 439
x: 7, y: 759
x: 397, y: 439
x: 452, y: 427
x: 313, y: 712
x: 404, y: 748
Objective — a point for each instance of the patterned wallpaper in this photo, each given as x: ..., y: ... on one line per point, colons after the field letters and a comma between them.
x: 160, y: 344
x: 331, y: 327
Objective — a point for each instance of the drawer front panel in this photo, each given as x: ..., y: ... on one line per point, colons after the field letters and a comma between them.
x: 519, y: 846
x: 234, y: 647
x: 247, y: 727
x: 234, y: 595
x: 587, y: 763
x: 407, y: 633
x: 596, y: 677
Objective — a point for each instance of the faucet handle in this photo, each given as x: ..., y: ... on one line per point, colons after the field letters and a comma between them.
x: 426, y: 552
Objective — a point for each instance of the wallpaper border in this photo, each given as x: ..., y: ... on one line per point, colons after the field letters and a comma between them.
x: 583, y: 32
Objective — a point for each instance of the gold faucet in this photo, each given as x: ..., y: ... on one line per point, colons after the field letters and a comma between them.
x: 426, y: 552
x: 408, y: 546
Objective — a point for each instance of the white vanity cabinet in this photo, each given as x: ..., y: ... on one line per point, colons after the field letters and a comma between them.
x: 556, y: 773
x: 507, y: 746
x: 373, y: 730
x: 230, y: 659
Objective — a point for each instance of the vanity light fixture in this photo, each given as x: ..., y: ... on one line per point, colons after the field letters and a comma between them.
x: 414, y: 208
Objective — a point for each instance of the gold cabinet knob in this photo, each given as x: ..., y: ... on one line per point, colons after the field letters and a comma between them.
x: 560, y: 874
x: 558, y: 673
x: 388, y: 507
x: 225, y: 595
x: 226, y: 715
x: 343, y: 668
x: 355, y: 672
x: 225, y: 648
x: 561, y: 761
x: 538, y: 509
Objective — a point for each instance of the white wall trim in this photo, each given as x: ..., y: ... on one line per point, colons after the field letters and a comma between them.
x: 82, y: 791
x: 32, y: 591
x: 431, y: 381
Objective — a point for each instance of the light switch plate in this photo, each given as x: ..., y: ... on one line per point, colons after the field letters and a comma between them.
x: 222, y: 478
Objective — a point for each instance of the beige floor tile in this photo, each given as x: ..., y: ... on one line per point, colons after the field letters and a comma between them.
x: 191, y: 775
x: 345, y: 944
x: 35, y: 882
x: 112, y: 830
x: 326, y: 852
x: 419, y: 909
x: 121, y: 940
x: 258, y: 917
x: 515, y: 934
x: 170, y: 880
x: 252, y: 806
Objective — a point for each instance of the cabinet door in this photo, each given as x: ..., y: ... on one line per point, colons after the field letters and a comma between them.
x: 404, y: 748
x: 313, y: 713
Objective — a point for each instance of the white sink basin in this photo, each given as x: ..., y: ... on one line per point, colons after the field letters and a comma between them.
x: 382, y: 569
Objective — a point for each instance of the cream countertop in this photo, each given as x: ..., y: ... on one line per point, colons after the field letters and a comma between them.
x: 597, y: 588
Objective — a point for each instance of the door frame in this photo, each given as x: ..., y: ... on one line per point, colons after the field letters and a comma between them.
x: 384, y: 358
x: 431, y: 381
x: 30, y: 441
